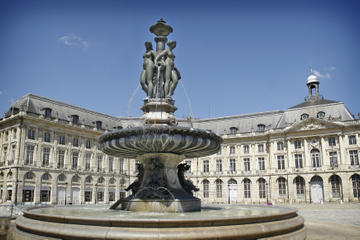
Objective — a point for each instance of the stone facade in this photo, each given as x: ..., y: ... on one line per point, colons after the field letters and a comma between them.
x: 308, y: 153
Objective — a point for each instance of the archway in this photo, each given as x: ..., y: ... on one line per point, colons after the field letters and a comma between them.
x: 232, y: 189
x: 317, y: 189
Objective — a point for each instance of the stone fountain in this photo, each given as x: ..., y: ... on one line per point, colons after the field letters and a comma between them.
x: 161, y: 205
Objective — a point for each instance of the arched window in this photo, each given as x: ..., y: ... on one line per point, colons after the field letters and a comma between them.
x: 61, y: 178
x: 112, y: 181
x: 261, y: 127
x: 233, y: 130
x: 247, y: 188
x: 101, y: 180
x: 304, y: 116
x: 335, y: 186
x: 282, y: 186
x: 74, y: 119
x: 206, y: 184
x: 29, y: 176
x: 218, y: 183
x: 46, y: 177
x: 320, y: 115
x: 315, y: 158
x: 262, y: 188
x: 88, y: 179
x: 75, y: 179
x: 356, y: 185
x: 300, y: 186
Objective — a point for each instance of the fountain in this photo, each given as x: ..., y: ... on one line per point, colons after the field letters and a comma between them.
x: 161, y: 204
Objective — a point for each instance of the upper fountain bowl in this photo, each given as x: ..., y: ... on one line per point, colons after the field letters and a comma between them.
x: 133, y: 142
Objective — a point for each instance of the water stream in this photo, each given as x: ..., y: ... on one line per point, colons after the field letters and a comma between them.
x: 132, y: 98
x: 187, y: 99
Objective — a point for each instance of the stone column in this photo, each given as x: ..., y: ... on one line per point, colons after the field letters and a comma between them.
x: 82, y: 191
x: 106, y: 191
x: 53, y: 190
x: 20, y: 187
x: 341, y: 149
x: 290, y: 163
x: 68, y: 191
x: 307, y: 160
x: 37, y: 188
x: 323, y: 152
x: 94, y: 192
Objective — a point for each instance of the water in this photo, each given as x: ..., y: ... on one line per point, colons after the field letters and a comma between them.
x: 187, y: 99
x: 132, y: 98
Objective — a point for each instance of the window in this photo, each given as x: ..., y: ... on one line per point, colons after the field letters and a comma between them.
x: 121, y: 165
x: 232, y: 149
x: 261, y: 148
x: 354, y: 159
x: 261, y: 127
x: 7, y: 136
x: 31, y: 134
x: 13, y: 154
x: 61, y: 157
x: 218, y: 188
x: 188, y: 162
x: 75, y: 179
x: 29, y: 175
x: 300, y: 186
x: 206, y: 166
x: 297, y: 144
x: 261, y: 163
x: 232, y: 165
x: 333, y: 159
x: 206, y: 188
x: 87, y: 161
x: 14, y: 134
x: 246, y: 149
x: 332, y: 141
x: 315, y: 158
x: 356, y: 185
x: 352, y: 139
x: 75, y: 159
x: 61, y: 178
x: 262, y: 188
x: 45, y: 177
x: 47, y: 137
x: 29, y: 155
x: 298, y: 161
x: 62, y: 140
x: 282, y: 187
x: 88, y: 179
x: 99, y: 163
x: 45, y: 157
x: 111, y: 164
x: 98, y: 124
x: 88, y: 196
x: 335, y: 186
x: 75, y: 142
x: 5, y: 154
x: 218, y: 165
x: 233, y: 130
x: 304, y: 116
x: 75, y: 119
x: 320, y: 115
x: 111, y: 196
x: 281, y: 162
x: 280, y: 146
x: 246, y: 164
x: 247, y: 189
x: 88, y: 144
x: 47, y: 112
x: 101, y: 180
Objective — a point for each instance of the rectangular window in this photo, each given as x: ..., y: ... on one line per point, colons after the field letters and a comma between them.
x: 88, y: 195
x: 14, y: 134
x: 206, y: 166
x: 62, y: 140
x: 352, y: 139
x: 100, y: 196
x: 188, y: 162
x: 111, y: 196
x: 61, y: 159
x: 45, y: 157
x: 246, y: 164
x: 47, y: 137
x: 281, y: 162
x: 87, y: 161
x: 333, y: 159
x: 75, y: 142
x: 246, y: 149
x: 297, y: 144
x: 121, y: 165
x: 88, y: 144
x: 5, y: 154
x: 99, y: 163
x: 298, y: 161
x: 261, y: 148
x: 354, y: 158
x: 262, y: 189
x: 280, y: 146
x: 218, y: 165
x: 206, y: 189
x: 232, y: 165
x: 75, y: 159
x: 31, y: 134
x: 29, y: 155
x: 232, y: 149
x: 111, y: 164
x: 13, y: 154
x: 282, y: 187
x: 261, y: 163
x: 247, y: 192
x: 332, y: 141
x: 219, y: 189
x: 7, y: 136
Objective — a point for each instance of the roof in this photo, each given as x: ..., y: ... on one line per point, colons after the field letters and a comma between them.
x: 310, y: 102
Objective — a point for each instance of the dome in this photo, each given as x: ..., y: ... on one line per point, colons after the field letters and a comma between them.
x: 312, y: 79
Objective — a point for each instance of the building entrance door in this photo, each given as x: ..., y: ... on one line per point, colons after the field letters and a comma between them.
x: 232, y: 191
x: 61, y: 195
x: 75, y: 195
x: 317, y: 195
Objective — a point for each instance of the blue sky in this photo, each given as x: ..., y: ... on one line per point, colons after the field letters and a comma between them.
x: 235, y: 57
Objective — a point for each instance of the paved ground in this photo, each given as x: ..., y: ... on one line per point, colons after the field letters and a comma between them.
x: 331, y: 220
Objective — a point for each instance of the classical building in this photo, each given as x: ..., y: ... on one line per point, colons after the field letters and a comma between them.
x: 308, y: 153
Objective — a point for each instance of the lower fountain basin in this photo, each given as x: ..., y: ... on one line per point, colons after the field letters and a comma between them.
x: 212, y: 222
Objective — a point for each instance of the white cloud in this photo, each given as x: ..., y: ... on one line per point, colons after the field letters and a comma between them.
x: 73, y: 40
x: 323, y: 75
x: 332, y: 68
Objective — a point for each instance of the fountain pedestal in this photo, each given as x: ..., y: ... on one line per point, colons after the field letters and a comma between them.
x: 159, y: 111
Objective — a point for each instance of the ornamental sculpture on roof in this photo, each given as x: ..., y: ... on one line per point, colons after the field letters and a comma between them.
x: 160, y: 77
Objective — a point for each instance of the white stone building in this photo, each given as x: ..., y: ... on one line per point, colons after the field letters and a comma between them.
x: 307, y: 153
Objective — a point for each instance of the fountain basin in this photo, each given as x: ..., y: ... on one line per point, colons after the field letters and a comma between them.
x: 212, y: 222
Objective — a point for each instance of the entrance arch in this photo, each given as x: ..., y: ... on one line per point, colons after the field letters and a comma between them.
x: 317, y: 189
x: 232, y: 189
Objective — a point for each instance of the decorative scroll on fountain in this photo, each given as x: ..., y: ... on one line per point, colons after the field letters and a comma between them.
x: 160, y: 145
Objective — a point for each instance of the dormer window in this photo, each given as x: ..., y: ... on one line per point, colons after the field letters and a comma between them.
x: 233, y: 130
x: 98, y: 124
x: 304, y: 116
x: 118, y: 127
x: 261, y: 127
x: 47, y: 112
x: 75, y: 119
x: 320, y: 115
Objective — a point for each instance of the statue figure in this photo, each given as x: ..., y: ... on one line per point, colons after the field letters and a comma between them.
x: 135, y: 186
x: 171, y: 75
x: 187, y: 185
x: 146, y: 78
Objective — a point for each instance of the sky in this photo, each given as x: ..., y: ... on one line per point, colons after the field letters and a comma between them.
x: 235, y: 57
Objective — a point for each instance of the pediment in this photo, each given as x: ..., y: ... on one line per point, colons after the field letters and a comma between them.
x: 312, y: 124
